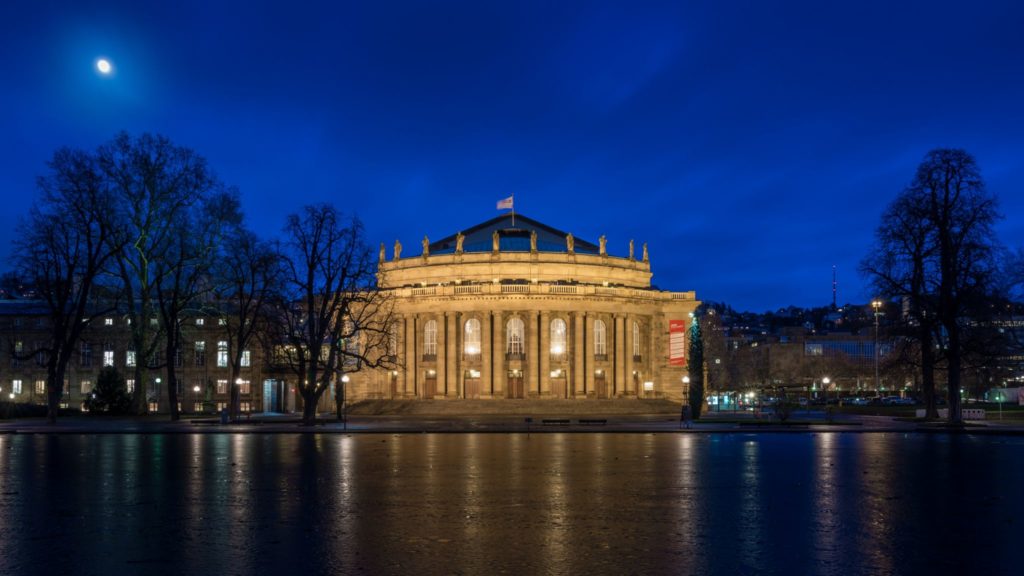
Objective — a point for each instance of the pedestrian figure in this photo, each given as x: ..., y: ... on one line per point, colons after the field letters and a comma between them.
x: 684, y: 417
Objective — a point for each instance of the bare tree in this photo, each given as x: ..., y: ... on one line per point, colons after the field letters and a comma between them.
x: 248, y: 277
x: 61, y: 250
x: 334, y: 315
x: 152, y: 182
x: 937, y: 249
x: 901, y: 265
x: 183, y: 272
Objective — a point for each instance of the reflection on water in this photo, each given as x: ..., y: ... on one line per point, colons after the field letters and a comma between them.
x: 826, y: 503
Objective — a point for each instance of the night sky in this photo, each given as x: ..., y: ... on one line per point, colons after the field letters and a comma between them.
x: 752, y: 146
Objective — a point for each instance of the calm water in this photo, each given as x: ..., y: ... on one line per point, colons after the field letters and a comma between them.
x: 792, y: 504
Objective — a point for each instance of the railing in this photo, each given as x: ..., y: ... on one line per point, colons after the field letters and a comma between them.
x: 553, y: 289
x: 515, y: 356
x: 430, y: 357
x: 601, y: 357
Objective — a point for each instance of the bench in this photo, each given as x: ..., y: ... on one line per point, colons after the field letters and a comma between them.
x: 555, y: 422
x: 593, y: 421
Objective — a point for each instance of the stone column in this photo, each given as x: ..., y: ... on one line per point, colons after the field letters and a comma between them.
x: 589, y: 365
x: 441, y: 362
x: 486, y: 347
x: 545, y: 354
x: 576, y: 383
x: 532, y: 365
x: 620, y: 352
x: 630, y: 386
x: 498, y: 350
x: 407, y: 352
x: 412, y: 367
x: 451, y: 387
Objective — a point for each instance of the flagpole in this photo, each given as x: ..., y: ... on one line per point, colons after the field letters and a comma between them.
x: 513, y: 210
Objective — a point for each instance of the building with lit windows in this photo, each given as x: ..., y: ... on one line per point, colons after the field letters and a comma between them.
x: 513, y: 308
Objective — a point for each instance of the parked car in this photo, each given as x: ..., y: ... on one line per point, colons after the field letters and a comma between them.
x: 858, y: 401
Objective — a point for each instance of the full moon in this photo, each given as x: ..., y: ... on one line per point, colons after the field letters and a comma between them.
x: 103, y: 65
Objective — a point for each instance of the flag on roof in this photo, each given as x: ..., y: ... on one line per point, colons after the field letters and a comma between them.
x: 505, y: 204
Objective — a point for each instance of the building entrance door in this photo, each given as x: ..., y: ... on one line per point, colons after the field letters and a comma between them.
x: 600, y: 385
x: 429, y: 386
x: 515, y: 384
x: 270, y: 396
x: 558, y: 387
x: 472, y: 388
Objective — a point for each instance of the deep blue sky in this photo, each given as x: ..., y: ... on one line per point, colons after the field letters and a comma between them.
x: 753, y: 146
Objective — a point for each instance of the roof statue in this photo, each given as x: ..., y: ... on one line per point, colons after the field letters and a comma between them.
x: 603, y: 242
x: 533, y: 240
x: 495, y: 241
x: 459, y: 239
x: 383, y: 254
x: 398, y: 250
x: 570, y: 243
x: 646, y: 259
x: 426, y: 246
x: 631, y: 249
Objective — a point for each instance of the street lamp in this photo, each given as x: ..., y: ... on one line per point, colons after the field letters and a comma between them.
x: 877, y: 305
x: 684, y: 416
x: 824, y: 385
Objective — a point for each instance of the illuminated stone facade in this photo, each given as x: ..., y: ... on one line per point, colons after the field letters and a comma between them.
x: 523, y: 310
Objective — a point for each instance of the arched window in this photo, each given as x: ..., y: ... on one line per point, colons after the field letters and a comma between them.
x: 515, y: 337
x: 558, y: 344
x: 600, y: 339
x: 472, y: 345
x: 430, y: 338
x: 636, y: 339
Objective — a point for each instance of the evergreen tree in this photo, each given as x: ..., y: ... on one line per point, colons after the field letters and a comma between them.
x: 110, y: 395
x: 696, y: 368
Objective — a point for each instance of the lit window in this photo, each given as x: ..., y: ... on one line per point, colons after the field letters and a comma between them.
x: 129, y: 360
x: 200, y: 321
x: 600, y: 341
x: 154, y: 406
x: 129, y: 384
x: 246, y: 358
x: 108, y: 358
x: 108, y: 321
x: 243, y: 407
x: 244, y: 387
x: 40, y: 386
x: 200, y: 354
x: 222, y: 354
x: 472, y: 346
x: 430, y: 337
x: 558, y: 337
x: 514, y: 332
x: 222, y: 322
x: 222, y: 386
x: 16, y: 386
x: 86, y: 386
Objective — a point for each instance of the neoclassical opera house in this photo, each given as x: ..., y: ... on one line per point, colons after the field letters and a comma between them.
x: 513, y: 308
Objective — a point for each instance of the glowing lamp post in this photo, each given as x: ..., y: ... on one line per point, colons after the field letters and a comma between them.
x: 877, y: 305
x: 344, y: 414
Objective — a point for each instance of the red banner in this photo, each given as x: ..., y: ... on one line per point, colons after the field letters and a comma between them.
x: 677, y: 342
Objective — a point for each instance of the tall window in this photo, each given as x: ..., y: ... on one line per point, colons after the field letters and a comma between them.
x: 600, y: 338
x: 636, y: 339
x: 40, y: 386
x: 515, y: 337
x: 222, y: 354
x: 129, y: 358
x: 200, y: 349
x: 86, y: 386
x: 108, y: 354
x: 472, y: 346
x: 85, y: 358
x: 430, y: 338
x: 246, y: 358
x: 558, y: 338
x: 16, y: 386
x: 222, y: 386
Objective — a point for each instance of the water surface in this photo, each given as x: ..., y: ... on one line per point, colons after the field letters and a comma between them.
x: 816, y: 503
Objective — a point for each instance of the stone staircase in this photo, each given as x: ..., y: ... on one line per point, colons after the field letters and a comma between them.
x: 574, y: 408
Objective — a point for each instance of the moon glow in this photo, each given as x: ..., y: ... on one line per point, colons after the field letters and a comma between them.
x: 103, y: 65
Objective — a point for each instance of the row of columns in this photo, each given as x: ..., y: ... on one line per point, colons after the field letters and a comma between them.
x: 494, y: 368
